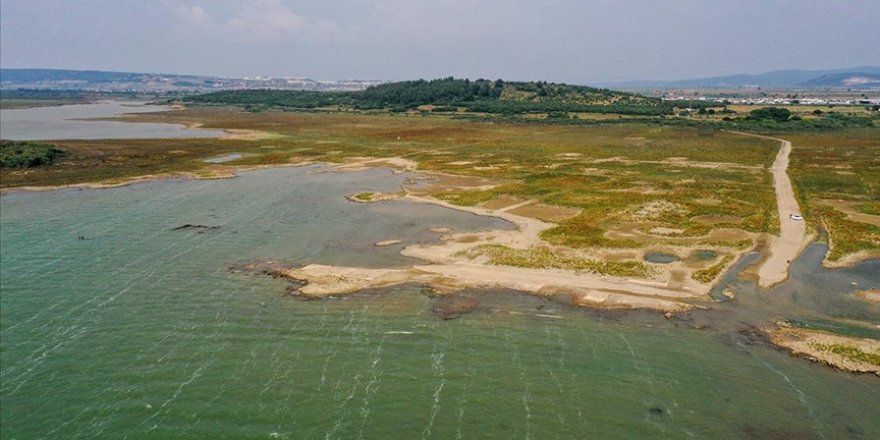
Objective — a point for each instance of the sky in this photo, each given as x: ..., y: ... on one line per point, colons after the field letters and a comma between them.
x: 583, y: 42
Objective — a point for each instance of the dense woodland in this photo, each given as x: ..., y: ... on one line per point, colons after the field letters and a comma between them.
x: 510, y: 100
x: 450, y: 94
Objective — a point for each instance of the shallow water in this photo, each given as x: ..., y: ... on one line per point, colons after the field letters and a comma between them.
x: 660, y: 257
x: 66, y: 122
x: 139, y: 331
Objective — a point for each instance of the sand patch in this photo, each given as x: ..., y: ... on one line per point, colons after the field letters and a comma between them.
x: 633, y: 231
x: 248, y: 135
x: 386, y: 243
x: 872, y: 295
x: 446, y: 182
x: 656, y: 209
x: 569, y: 156
x: 665, y: 231
x: 680, y: 162
x: 447, y: 268
x: 373, y: 197
x: 545, y: 212
x: 842, y: 352
x: 644, y: 189
x: 502, y: 202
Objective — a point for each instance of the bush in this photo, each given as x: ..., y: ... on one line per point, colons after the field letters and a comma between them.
x: 772, y: 113
x: 16, y: 154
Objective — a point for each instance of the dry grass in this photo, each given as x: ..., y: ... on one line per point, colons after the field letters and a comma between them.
x: 839, y: 166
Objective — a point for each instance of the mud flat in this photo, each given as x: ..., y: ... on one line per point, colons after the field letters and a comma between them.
x: 447, y: 269
x: 842, y: 352
x: 872, y: 296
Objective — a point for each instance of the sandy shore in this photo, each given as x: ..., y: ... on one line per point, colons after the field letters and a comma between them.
x: 843, y: 352
x: 446, y: 269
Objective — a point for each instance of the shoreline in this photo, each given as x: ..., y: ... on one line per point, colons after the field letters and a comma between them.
x: 396, y: 164
x: 855, y: 355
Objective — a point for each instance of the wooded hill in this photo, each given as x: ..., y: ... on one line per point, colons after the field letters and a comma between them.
x: 451, y: 94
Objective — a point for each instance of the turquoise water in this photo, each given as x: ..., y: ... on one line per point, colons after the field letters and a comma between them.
x: 140, y: 331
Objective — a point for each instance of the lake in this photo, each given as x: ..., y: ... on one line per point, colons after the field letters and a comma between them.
x: 69, y: 122
x: 115, y: 325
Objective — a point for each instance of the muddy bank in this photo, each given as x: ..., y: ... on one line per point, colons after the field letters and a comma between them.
x: 859, y: 355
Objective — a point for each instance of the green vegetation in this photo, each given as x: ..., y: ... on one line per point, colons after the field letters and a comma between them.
x: 840, y: 166
x: 538, y: 102
x: 364, y: 196
x: 872, y: 208
x: 847, y: 236
x: 776, y: 114
x: 480, y: 96
x: 546, y: 258
x: 17, y: 154
x: 709, y: 274
x: 849, y: 352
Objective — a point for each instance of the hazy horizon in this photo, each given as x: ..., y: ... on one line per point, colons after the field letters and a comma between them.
x: 598, y: 41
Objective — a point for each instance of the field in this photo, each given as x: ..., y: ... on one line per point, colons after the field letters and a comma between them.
x: 837, y: 176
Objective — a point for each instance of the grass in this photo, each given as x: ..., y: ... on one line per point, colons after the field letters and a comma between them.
x: 546, y: 258
x: 709, y: 274
x: 364, y: 196
x: 844, y: 165
x: 872, y: 208
x: 849, y: 352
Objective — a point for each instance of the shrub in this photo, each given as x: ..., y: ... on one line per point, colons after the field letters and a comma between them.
x: 17, y: 154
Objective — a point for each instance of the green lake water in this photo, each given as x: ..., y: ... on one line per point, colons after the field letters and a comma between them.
x: 114, y: 325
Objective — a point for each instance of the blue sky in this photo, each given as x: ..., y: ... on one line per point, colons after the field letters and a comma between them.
x: 556, y: 40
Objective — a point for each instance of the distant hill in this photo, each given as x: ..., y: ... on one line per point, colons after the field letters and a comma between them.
x: 50, y: 75
x: 450, y: 94
x: 846, y: 79
x: 104, y: 81
x: 780, y: 78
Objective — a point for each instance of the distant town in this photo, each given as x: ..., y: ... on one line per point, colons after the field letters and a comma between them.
x: 98, y: 81
x: 765, y: 100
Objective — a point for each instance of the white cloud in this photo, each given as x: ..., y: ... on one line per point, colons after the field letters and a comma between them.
x: 194, y: 15
x: 256, y: 21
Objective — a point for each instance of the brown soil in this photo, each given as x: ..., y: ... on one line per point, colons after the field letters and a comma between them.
x: 545, y: 212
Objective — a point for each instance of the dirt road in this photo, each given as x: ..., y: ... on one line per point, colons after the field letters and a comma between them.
x: 793, y: 233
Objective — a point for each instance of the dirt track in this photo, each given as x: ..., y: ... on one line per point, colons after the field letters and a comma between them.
x: 793, y: 233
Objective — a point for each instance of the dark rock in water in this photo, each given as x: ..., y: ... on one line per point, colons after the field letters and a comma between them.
x: 453, y: 306
x: 754, y: 336
x: 657, y: 411
x: 196, y: 227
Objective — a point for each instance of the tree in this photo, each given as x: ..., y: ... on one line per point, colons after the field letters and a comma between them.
x: 772, y: 113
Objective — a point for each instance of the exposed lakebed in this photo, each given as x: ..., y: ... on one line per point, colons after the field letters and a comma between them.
x: 138, y: 328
